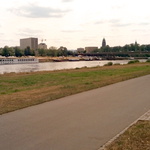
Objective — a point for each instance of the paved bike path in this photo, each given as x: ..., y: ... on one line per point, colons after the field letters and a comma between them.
x: 82, y: 121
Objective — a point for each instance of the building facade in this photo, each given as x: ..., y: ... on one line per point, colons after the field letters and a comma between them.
x: 80, y: 50
x: 42, y: 46
x: 29, y: 42
x: 90, y: 49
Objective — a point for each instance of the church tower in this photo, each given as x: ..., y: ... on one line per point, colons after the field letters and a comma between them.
x: 103, y: 42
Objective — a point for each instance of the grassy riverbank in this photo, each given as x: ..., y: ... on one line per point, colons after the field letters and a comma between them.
x: 25, y: 89
x: 137, y: 137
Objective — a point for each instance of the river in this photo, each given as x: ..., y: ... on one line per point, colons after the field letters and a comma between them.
x: 47, y: 66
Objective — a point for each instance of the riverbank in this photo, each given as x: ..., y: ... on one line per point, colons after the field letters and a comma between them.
x: 69, y: 58
x: 43, y: 59
x: 83, y: 58
x: 26, y: 89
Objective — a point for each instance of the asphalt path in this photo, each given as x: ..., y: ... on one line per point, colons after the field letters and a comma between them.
x: 83, y: 121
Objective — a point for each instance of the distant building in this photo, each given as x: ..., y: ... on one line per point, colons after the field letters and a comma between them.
x: 90, y: 49
x: 42, y: 46
x: 31, y: 42
x: 80, y: 50
x: 136, y: 43
x: 103, y: 42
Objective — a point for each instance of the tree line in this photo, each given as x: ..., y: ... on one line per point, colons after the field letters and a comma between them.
x: 126, y: 48
x: 52, y: 51
x: 62, y: 51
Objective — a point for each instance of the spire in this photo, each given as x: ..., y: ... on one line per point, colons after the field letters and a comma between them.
x: 103, y: 42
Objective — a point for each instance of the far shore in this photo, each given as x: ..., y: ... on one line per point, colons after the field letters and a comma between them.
x: 75, y: 58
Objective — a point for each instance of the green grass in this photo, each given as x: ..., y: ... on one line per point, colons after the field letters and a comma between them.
x: 25, y: 89
x: 15, y: 83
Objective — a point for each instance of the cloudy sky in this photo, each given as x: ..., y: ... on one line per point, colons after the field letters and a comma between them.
x: 75, y: 23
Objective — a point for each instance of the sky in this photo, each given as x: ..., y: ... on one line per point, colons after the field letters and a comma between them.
x: 75, y: 23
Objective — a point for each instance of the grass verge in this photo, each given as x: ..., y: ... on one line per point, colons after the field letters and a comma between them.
x: 26, y: 89
x: 137, y: 137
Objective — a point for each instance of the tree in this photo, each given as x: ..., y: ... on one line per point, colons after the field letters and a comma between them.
x: 5, y: 51
x: 51, y: 52
x: 42, y: 52
x: 1, y: 49
x: 18, y: 52
x: 126, y: 48
x: 53, y: 48
x: 62, y: 51
x: 27, y: 51
x: 106, y: 49
x: 116, y: 49
x: 147, y: 48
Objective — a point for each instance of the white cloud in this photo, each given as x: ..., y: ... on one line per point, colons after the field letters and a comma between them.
x: 27, y: 32
x: 71, y: 31
x: 138, y: 30
x: 121, y: 24
x: 1, y: 34
x: 35, y: 11
x: 67, y: 0
x: 144, y: 23
x: 113, y: 23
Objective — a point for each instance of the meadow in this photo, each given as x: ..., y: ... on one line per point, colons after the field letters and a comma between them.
x: 20, y: 90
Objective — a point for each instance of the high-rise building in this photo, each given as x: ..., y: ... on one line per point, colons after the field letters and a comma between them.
x: 29, y: 42
x: 103, y: 42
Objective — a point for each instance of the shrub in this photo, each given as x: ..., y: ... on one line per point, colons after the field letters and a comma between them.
x: 109, y: 64
x: 133, y: 61
x: 136, y: 61
x: 148, y: 60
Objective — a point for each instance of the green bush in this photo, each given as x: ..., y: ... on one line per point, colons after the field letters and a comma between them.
x: 148, y: 60
x: 109, y: 64
x: 133, y: 61
x: 136, y: 61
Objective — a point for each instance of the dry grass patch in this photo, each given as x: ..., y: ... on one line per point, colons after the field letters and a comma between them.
x: 23, y: 99
x: 137, y: 137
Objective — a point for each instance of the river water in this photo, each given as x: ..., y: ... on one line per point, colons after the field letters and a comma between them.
x: 47, y: 66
